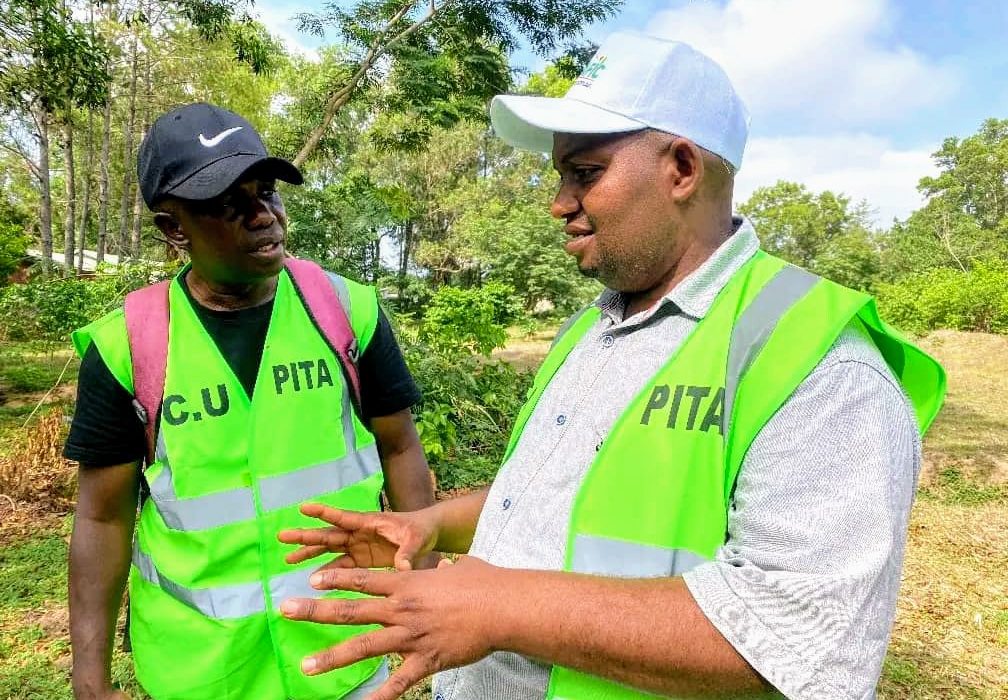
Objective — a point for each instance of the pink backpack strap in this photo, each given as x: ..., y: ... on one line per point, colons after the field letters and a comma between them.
x: 147, y: 329
x: 322, y: 299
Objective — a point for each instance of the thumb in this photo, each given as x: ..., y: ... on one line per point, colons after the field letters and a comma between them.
x: 409, y: 549
x: 444, y: 563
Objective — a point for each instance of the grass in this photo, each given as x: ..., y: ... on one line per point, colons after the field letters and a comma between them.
x: 950, y: 638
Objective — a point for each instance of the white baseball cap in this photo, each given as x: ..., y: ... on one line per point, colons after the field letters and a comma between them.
x: 634, y: 82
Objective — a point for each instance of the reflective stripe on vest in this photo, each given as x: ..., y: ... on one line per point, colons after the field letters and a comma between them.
x: 276, y: 492
x: 228, y: 602
x: 604, y: 556
x: 754, y: 326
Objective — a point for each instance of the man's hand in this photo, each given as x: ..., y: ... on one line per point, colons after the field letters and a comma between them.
x: 367, y: 540
x: 435, y: 619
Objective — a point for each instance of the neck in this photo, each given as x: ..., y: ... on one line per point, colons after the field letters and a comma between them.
x: 702, y: 244
x: 229, y: 296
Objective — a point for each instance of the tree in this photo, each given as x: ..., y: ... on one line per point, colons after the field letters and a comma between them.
x: 821, y: 232
x: 454, y: 47
x: 974, y: 175
x: 965, y: 220
x: 49, y: 63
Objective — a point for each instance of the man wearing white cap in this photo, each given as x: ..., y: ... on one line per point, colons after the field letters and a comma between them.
x: 707, y: 492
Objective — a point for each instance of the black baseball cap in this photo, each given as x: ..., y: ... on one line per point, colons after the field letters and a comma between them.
x: 199, y: 150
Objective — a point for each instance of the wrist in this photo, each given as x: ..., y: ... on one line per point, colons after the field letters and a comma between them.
x: 502, y: 607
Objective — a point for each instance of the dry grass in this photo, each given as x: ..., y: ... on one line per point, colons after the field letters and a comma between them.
x: 950, y: 639
x: 32, y: 467
x: 526, y: 351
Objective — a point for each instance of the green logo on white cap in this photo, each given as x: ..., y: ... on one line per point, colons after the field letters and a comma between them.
x: 592, y: 70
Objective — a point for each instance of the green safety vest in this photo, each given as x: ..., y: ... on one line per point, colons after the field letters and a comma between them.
x: 654, y: 503
x: 208, y: 573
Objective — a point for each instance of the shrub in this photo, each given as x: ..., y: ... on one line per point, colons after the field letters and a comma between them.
x: 49, y: 309
x: 469, y: 404
x: 974, y: 300
x: 467, y: 319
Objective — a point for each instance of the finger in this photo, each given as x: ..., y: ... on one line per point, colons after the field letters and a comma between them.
x: 337, y: 611
x: 363, y: 646
x: 343, y: 519
x: 305, y: 553
x: 409, y: 549
x: 370, y: 581
x: 328, y: 536
x: 412, y: 671
x: 345, y: 561
x: 446, y: 562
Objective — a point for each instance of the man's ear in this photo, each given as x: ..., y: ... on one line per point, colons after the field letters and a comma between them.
x: 684, y: 165
x: 172, y: 229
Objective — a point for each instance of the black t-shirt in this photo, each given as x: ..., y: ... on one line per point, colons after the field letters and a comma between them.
x: 106, y: 431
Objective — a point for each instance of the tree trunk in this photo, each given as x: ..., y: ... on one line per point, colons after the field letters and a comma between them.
x: 127, y: 192
x: 45, y: 192
x: 404, y: 254
x: 103, y: 182
x: 137, y: 221
x: 85, y: 218
x: 70, y: 215
x: 138, y: 199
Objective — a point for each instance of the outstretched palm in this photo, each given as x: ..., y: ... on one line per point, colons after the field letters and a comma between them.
x: 367, y: 540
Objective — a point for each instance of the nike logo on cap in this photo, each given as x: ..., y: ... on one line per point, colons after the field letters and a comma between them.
x: 210, y: 143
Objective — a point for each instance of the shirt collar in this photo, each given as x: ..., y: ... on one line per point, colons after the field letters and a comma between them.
x: 695, y: 294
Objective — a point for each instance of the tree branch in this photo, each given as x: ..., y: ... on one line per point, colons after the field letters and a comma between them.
x: 23, y: 156
x: 339, y: 98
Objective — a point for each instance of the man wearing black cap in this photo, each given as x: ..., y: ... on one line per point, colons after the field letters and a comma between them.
x: 261, y: 411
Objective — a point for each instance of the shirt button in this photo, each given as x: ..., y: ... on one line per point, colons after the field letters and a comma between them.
x: 607, y: 341
x: 507, y: 503
x: 561, y: 419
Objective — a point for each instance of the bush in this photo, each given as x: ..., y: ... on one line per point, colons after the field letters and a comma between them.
x: 468, y: 319
x: 50, y: 309
x: 975, y: 300
x: 469, y: 401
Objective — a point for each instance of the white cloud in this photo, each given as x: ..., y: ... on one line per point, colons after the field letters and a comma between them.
x: 812, y: 63
x: 279, y: 21
x: 861, y: 166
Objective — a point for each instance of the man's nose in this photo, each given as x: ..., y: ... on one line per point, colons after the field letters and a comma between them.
x: 260, y: 215
x: 564, y: 203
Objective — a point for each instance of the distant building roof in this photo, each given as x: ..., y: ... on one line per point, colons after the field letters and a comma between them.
x: 90, y: 258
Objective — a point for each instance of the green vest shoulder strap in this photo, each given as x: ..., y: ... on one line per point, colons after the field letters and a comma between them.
x: 108, y: 334
x: 361, y: 306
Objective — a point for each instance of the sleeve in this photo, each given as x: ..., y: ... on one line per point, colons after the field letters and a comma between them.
x: 805, y: 586
x: 387, y: 386
x: 105, y: 430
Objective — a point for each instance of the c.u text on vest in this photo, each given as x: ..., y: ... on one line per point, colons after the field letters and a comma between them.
x: 685, y: 407
x: 174, y: 412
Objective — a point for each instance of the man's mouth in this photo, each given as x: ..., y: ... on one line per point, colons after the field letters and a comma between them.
x: 267, y: 248
x: 577, y: 239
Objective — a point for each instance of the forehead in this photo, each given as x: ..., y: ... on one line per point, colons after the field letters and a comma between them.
x: 567, y: 146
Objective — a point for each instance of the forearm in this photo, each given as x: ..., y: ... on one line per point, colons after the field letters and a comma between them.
x: 456, y: 521
x: 408, y: 483
x: 649, y: 634
x: 99, y: 566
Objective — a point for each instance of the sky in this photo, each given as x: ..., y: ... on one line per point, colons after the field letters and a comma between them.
x: 847, y: 95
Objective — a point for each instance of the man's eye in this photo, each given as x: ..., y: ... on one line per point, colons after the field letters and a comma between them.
x: 586, y: 174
